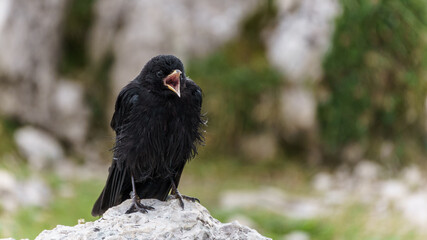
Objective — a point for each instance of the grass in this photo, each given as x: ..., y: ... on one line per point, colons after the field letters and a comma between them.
x: 206, y: 178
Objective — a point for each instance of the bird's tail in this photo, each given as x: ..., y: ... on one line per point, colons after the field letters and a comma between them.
x: 112, y: 194
x: 154, y: 188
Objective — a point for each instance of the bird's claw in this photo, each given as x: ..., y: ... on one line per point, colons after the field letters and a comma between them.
x: 181, y: 197
x: 192, y: 199
x: 138, y: 207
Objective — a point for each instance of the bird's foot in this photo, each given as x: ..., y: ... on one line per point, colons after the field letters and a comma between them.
x: 137, y: 206
x: 192, y: 199
x: 181, y: 198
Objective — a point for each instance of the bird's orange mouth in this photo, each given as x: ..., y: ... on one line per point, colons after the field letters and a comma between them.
x: 172, y: 81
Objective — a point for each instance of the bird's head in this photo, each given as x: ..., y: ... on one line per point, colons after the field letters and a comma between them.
x: 164, y: 74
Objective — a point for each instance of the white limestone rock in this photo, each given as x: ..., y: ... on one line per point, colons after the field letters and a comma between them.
x: 16, y: 193
x: 297, y: 46
x: 8, y: 186
x: 259, y: 147
x: 30, y: 89
x: 297, y: 235
x: 135, y: 31
x: 297, y: 110
x: 33, y: 192
x: 274, y: 200
x: 412, y: 176
x: 167, y: 221
x: 323, y: 182
x: 414, y: 208
x: 72, y: 113
x: 38, y: 147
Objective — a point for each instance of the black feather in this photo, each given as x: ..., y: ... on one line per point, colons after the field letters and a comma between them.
x: 157, y: 132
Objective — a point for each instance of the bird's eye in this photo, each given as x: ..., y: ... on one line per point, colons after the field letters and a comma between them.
x: 159, y: 73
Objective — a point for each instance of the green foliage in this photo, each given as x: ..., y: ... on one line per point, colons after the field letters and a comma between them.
x: 77, y: 21
x: 375, y: 76
x: 75, y: 62
x: 28, y: 222
x: 233, y: 79
x: 275, y: 225
x: 98, y: 86
x: 7, y: 127
x: 352, y: 222
x: 231, y: 91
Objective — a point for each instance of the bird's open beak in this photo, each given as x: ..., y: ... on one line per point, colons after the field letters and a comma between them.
x: 172, y: 81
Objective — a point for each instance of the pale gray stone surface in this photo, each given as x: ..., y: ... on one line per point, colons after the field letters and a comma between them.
x: 297, y: 235
x: 135, y: 31
x: 15, y: 193
x: 167, y: 221
x: 30, y: 90
x: 38, y: 147
x: 297, y: 46
x: 259, y: 147
x: 297, y: 109
x: 274, y: 200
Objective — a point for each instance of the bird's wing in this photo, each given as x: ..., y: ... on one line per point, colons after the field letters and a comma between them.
x: 118, y: 177
x: 124, y: 104
x: 196, y: 93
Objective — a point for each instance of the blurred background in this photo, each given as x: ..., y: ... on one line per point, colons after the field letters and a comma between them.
x: 317, y: 110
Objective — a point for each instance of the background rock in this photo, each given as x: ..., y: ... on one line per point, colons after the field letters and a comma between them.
x: 297, y: 110
x: 274, y: 200
x: 16, y: 193
x: 297, y: 46
x: 135, y: 31
x: 297, y: 235
x: 167, y: 221
x: 259, y: 147
x: 38, y: 147
x: 8, y: 186
x: 30, y: 42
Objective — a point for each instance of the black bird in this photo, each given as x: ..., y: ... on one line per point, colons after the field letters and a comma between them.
x: 158, y: 125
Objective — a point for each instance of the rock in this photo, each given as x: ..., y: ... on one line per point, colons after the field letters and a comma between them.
x: 297, y: 46
x: 7, y: 181
x: 297, y: 235
x: 414, y: 208
x: 259, y: 147
x: 304, y: 208
x: 72, y: 114
x: 33, y: 192
x: 352, y: 153
x: 8, y: 186
x: 38, y: 147
x: 297, y: 110
x: 335, y: 197
x: 322, y: 182
x: 28, y: 192
x: 413, y: 176
x: 274, y: 200
x: 387, y: 150
x: 135, y: 31
x: 269, y: 198
x: 30, y: 41
x: 242, y: 219
x: 367, y: 171
x: 29, y: 86
x: 166, y: 221
x: 4, y: 11
x: 393, y: 190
